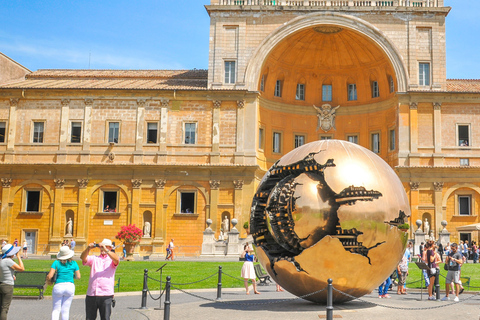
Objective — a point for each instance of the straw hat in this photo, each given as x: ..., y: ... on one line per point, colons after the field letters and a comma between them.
x: 8, y: 250
x: 107, y: 242
x: 65, y: 253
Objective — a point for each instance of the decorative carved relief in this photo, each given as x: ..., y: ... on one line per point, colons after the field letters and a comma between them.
x: 160, y: 183
x: 414, y: 185
x: 6, y: 182
x: 238, y: 184
x: 141, y: 102
x: 136, y: 183
x: 164, y: 103
x: 437, y: 105
x: 65, y: 102
x: 59, y: 183
x: 438, y: 186
x: 111, y: 156
x: 240, y: 104
x: 217, y: 104
x: 89, y: 102
x: 13, y: 102
x: 413, y: 106
x: 214, y: 184
x: 326, y: 116
x: 82, y: 183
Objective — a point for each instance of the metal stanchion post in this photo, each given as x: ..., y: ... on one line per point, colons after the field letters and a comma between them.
x: 437, y: 284
x: 166, y: 311
x: 330, y: 300
x: 145, y: 289
x: 219, y: 285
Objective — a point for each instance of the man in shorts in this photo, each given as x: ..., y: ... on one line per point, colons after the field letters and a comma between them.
x: 454, y: 260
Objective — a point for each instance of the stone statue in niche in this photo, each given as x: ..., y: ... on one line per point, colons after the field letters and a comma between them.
x: 226, y: 225
x: 426, y: 227
x: 69, y: 228
x: 146, y: 230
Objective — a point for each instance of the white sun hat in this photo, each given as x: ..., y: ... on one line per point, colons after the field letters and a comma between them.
x: 107, y: 242
x: 65, y: 253
x: 8, y: 250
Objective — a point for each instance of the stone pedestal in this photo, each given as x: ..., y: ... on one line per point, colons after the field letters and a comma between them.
x: 419, y: 238
x: 233, y: 248
x: 208, y: 245
x: 444, y: 238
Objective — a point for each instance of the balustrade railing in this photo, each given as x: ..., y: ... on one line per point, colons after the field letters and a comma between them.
x: 331, y: 3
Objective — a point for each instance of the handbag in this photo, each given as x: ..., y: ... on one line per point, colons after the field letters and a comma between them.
x: 433, y: 271
x: 445, y: 267
x: 53, y: 279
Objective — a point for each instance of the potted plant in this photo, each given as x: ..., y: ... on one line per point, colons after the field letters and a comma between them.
x: 404, y: 227
x: 130, y: 235
x: 245, y: 226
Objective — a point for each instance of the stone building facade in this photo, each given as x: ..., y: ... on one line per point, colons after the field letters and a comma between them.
x: 174, y: 148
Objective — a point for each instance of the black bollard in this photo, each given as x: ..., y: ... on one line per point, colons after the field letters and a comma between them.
x: 145, y: 289
x: 330, y: 300
x: 166, y: 309
x: 437, y: 284
x: 219, y: 285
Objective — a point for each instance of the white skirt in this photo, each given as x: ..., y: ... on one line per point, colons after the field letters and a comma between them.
x: 248, y: 272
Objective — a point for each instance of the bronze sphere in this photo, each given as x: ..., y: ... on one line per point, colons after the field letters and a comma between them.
x: 329, y: 209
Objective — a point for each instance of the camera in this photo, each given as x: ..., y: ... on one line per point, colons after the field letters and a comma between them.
x: 96, y: 245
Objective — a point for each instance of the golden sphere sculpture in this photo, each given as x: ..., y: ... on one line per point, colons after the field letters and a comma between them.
x: 329, y: 209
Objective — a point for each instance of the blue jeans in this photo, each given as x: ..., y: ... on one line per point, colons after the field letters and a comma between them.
x: 383, y: 288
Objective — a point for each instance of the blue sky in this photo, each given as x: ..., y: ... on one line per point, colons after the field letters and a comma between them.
x: 160, y: 34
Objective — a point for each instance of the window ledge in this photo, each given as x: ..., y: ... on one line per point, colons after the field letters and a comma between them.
x: 186, y: 215
x: 31, y: 213
x: 464, y: 216
x: 108, y: 213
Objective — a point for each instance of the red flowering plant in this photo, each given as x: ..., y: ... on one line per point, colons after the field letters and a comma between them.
x: 130, y: 234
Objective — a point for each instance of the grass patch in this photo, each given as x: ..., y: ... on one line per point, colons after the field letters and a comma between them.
x: 131, y: 275
x: 471, y: 270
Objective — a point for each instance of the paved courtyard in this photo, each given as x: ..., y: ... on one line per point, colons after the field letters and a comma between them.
x: 268, y: 305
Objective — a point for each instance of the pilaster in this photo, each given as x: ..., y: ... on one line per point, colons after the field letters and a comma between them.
x: 136, y: 217
x: 438, y: 187
x: 163, y: 125
x: 238, y: 199
x: 215, y: 153
x: 414, y: 160
x: 214, y: 198
x: 5, y: 216
x: 160, y: 218
x: 12, y: 120
x: 87, y: 132
x: 140, y: 132
x: 57, y: 233
x: 239, y: 156
x: 82, y: 213
x: 414, y: 201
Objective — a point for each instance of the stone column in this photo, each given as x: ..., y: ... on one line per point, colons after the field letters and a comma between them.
x: 139, y: 138
x: 414, y: 199
x: 160, y: 221
x: 136, y: 194
x: 239, y: 156
x: 214, y: 195
x: 87, y: 131
x: 57, y: 226
x: 438, y: 187
x: 215, y: 152
x: 82, y: 213
x: 5, y: 216
x: 12, y: 126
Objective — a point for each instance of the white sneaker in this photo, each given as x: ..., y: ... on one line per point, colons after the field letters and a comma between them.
x: 456, y: 299
x: 445, y: 298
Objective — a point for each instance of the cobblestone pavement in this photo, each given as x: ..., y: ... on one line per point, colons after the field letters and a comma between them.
x: 268, y: 305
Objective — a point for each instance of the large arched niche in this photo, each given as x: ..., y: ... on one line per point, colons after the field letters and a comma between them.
x: 354, y: 25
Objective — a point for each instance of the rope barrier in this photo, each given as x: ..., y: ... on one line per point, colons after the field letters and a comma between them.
x: 236, y: 278
x: 184, y: 284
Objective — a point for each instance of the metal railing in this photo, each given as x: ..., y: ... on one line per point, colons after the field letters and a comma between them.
x: 332, y: 3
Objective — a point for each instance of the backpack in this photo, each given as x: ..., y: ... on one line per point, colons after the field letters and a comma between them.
x: 403, y: 264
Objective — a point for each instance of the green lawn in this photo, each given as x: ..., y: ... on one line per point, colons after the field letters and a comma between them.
x: 131, y: 275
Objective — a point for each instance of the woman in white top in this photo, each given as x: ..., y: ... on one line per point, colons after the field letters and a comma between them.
x: 7, y: 267
x: 25, y: 249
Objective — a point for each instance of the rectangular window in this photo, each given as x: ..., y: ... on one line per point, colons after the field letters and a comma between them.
x: 152, y: 132
x: 299, y: 140
x: 375, y: 90
x: 352, y: 139
x: 190, y: 133
x: 110, y: 201
x: 113, y: 131
x: 262, y: 83
x: 327, y: 92
x: 229, y: 71
x: 76, y: 132
x: 392, y: 139
x: 261, y: 138
x: 278, y: 88
x: 352, y: 92
x: 325, y: 137
x: 464, y: 162
x: 33, y: 201
x: 277, y: 140
x: 38, y: 128
x: 463, y: 135
x: 424, y: 74
x: 3, y: 126
x: 464, y: 205
x: 375, y: 142
x: 300, y: 92
x: 187, y: 202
